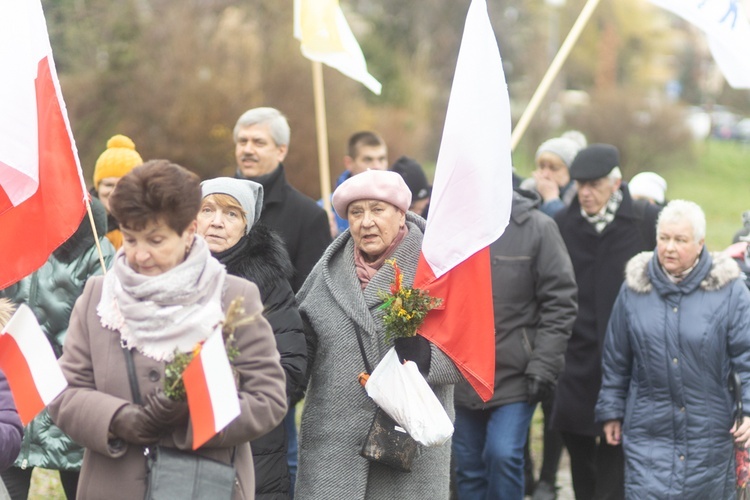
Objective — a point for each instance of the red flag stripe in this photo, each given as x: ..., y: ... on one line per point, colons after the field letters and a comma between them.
x: 464, y: 326
x: 25, y: 394
x: 49, y: 217
x: 199, y: 402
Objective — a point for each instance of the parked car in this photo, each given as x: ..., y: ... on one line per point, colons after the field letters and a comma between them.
x: 742, y: 130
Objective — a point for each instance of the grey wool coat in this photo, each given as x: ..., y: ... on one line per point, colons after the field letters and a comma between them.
x: 94, y: 365
x: 338, y: 413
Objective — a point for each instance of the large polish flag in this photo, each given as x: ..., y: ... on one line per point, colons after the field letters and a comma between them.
x: 42, y: 190
x: 325, y: 36
x: 29, y: 364
x: 211, y: 392
x: 470, y: 206
x: 727, y: 29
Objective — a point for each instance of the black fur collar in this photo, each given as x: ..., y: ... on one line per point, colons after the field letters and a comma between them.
x: 261, y: 258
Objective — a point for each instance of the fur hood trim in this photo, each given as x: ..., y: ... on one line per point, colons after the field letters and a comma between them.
x: 266, y: 260
x: 723, y: 270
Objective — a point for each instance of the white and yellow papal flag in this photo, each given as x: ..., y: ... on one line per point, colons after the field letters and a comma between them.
x: 727, y: 30
x: 325, y: 36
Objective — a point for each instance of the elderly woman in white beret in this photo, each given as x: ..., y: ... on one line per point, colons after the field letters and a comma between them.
x: 339, y: 299
x: 679, y: 327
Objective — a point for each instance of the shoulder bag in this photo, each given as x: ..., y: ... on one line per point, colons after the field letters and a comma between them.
x: 172, y: 473
x: 386, y: 442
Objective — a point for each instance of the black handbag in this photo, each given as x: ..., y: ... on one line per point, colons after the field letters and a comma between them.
x: 386, y: 442
x: 175, y: 474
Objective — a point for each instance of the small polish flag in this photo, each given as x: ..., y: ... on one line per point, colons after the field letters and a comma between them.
x: 30, y: 365
x: 211, y: 393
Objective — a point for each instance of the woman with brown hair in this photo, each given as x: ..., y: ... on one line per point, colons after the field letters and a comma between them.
x: 164, y: 294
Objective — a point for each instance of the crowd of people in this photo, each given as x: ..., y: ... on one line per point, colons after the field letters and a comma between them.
x: 610, y: 314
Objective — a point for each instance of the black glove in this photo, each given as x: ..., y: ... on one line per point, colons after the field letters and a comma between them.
x: 538, y: 389
x: 167, y: 413
x: 417, y: 349
x: 132, y: 424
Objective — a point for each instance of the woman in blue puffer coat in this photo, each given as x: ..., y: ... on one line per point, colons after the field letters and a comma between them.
x: 680, y: 324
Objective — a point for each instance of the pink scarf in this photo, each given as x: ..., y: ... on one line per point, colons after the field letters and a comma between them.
x: 366, y: 270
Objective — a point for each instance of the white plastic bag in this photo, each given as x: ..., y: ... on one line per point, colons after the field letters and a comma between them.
x: 403, y: 393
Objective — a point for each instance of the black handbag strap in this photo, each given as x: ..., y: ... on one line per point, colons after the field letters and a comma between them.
x: 368, y: 368
x: 134, y: 388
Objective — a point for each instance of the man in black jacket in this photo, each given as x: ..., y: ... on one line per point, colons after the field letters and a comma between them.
x: 261, y: 138
x: 602, y: 229
x: 534, y: 295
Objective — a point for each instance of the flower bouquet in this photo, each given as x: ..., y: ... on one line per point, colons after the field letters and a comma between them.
x: 400, y: 389
x: 405, y: 308
x: 174, y: 387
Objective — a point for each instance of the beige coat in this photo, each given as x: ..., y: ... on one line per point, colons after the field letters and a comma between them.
x: 94, y: 364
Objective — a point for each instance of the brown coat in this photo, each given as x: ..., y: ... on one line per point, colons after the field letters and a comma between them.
x: 94, y: 365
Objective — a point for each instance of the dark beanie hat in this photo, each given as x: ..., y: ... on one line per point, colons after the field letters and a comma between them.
x: 414, y: 177
x: 594, y: 162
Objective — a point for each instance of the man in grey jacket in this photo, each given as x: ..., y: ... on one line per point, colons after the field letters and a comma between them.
x: 534, y: 294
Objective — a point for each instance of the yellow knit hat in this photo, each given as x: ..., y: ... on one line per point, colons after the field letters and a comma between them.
x: 119, y: 159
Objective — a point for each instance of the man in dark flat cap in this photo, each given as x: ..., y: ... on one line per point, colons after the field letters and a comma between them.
x: 602, y: 229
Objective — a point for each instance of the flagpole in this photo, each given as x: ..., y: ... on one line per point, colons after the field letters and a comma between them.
x: 96, y: 236
x: 552, y: 72
x: 322, y: 133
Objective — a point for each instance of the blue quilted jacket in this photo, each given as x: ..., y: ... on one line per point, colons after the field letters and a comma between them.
x: 667, y: 356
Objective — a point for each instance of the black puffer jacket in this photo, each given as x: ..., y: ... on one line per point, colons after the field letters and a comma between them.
x: 534, y: 297
x: 261, y: 258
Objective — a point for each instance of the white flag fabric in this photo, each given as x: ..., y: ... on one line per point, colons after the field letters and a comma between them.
x: 29, y: 363
x: 473, y: 188
x: 23, y: 43
x: 325, y: 36
x: 727, y: 30
x: 470, y: 206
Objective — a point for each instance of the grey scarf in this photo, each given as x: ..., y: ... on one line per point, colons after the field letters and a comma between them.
x: 172, y: 311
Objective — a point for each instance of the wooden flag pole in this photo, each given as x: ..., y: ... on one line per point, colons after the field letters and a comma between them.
x: 322, y: 133
x: 96, y: 236
x: 551, y: 74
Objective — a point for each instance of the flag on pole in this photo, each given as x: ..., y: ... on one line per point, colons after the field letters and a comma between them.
x: 325, y: 36
x: 29, y: 364
x: 727, y: 30
x: 212, y: 395
x: 41, y: 186
x: 470, y: 205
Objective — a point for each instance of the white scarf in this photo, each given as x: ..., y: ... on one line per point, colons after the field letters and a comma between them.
x: 172, y: 311
x: 601, y: 219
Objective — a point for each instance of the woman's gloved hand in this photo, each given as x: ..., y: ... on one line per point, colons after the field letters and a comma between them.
x: 134, y: 425
x: 167, y: 413
x: 417, y: 349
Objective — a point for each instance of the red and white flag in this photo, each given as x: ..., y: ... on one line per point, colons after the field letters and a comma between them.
x: 470, y: 206
x: 41, y: 186
x: 212, y: 395
x: 727, y: 30
x: 29, y: 364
